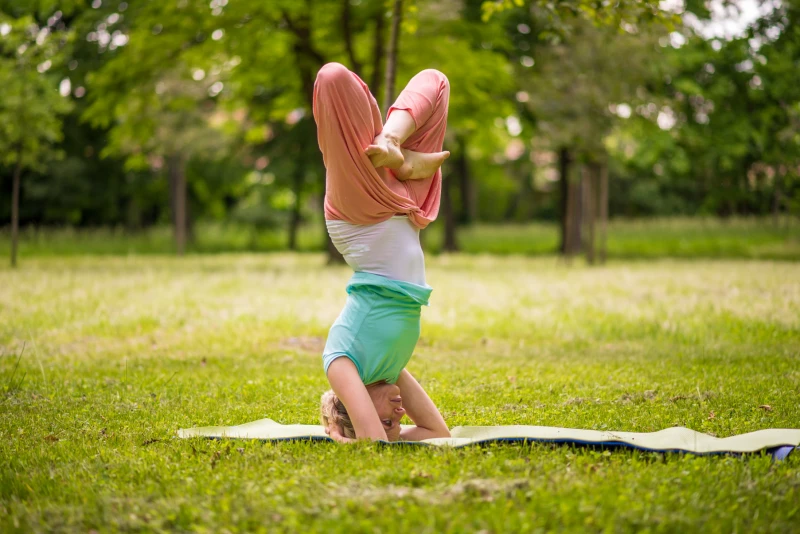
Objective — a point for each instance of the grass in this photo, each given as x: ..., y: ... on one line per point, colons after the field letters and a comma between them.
x: 645, y: 239
x: 120, y: 352
x: 736, y: 238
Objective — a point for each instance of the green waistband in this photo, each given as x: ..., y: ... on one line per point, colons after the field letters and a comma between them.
x: 405, y: 290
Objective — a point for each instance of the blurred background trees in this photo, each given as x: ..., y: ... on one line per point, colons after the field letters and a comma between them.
x: 30, y: 109
x: 183, y: 111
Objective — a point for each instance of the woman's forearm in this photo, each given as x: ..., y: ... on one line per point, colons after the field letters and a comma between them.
x: 420, y: 409
x: 345, y: 382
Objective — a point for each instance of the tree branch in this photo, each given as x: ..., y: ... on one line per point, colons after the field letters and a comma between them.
x: 391, y: 60
x: 355, y: 65
x: 302, y: 32
x: 377, y: 53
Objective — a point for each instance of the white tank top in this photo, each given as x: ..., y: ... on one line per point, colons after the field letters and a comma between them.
x: 390, y: 248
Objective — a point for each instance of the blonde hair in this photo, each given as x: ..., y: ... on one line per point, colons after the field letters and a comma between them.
x: 333, y: 412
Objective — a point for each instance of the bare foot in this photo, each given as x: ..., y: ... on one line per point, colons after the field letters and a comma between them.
x: 420, y: 165
x: 385, y: 152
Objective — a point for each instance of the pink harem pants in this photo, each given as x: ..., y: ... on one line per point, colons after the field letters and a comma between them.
x: 348, y: 119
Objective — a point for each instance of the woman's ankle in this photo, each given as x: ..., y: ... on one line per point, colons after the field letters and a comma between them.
x: 399, y: 126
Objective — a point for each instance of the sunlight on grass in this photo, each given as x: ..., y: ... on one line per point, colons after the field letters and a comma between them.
x: 103, y: 358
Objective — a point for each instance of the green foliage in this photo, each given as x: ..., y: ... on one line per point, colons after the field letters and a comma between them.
x: 118, y: 355
x: 146, y: 94
x: 30, y: 109
x: 573, y: 84
x: 228, y: 85
x: 560, y: 13
x: 733, y: 146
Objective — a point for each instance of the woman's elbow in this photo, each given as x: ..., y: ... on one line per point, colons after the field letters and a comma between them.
x: 442, y: 432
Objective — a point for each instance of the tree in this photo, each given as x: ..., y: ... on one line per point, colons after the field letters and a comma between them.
x: 277, y: 42
x: 450, y: 36
x: 571, y: 88
x: 731, y: 144
x: 391, y: 55
x: 161, y: 109
x: 560, y: 14
x: 81, y: 188
x: 161, y: 132
x: 219, y: 93
x: 31, y: 106
x: 582, y: 65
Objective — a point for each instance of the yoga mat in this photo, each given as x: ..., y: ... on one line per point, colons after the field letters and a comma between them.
x: 778, y: 441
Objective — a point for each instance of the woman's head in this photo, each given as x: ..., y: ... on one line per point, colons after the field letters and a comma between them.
x: 388, y: 404
x: 334, y: 414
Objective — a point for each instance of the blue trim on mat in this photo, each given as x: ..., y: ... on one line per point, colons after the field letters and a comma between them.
x: 778, y: 453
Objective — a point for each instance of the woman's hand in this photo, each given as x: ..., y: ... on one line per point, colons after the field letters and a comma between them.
x: 336, y: 435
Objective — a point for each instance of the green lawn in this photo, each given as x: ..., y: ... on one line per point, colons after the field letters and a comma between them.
x: 735, y: 238
x: 120, y: 352
x: 644, y: 238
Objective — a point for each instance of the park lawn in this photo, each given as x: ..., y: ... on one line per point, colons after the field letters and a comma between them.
x: 676, y: 237
x: 673, y: 237
x: 120, y: 352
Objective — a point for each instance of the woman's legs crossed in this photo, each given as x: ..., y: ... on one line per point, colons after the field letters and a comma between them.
x: 348, y: 120
x: 414, y: 131
x: 425, y: 98
x: 346, y: 111
x: 347, y: 117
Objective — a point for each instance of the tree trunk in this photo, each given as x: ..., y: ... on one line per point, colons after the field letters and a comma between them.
x: 450, y: 242
x: 776, y: 200
x: 15, y: 209
x: 297, y: 188
x: 133, y: 217
x: 377, y: 53
x: 469, y: 207
x: 177, y: 178
x: 308, y: 60
x: 334, y: 256
x: 589, y: 173
x: 524, y: 171
x: 391, y: 59
x: 603, y: 214
x: 347, y: 33
x: 190, y: 233
x: 573, y: 216
x: 512, y: 207
x: 564, y: 161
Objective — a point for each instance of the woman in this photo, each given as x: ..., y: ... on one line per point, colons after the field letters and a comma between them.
x: 383, y: 185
